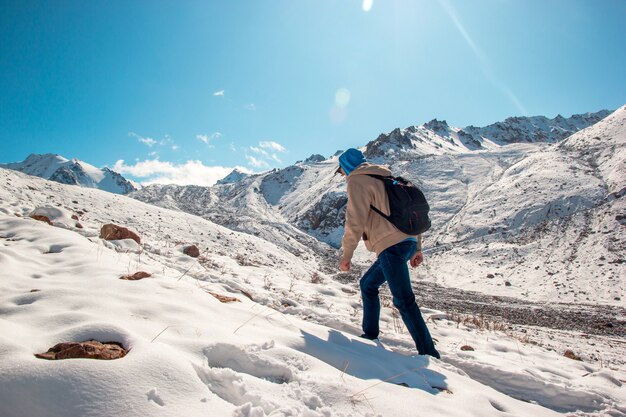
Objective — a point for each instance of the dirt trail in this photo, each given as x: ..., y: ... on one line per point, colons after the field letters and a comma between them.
x: 602, y: 320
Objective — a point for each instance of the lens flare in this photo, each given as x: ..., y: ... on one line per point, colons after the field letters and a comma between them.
x: 342, y: 97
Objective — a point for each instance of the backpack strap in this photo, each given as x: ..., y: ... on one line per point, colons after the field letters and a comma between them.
x: 381, y: 178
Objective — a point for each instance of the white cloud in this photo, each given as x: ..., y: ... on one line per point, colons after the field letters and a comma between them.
x: 273, y: 146
x: 150, y: 142
x: 251, y: 107
x: 232, y: 147
x: 208, y: 138
x: 145, y: 140
x: 161, y: 172
x: 266, y: 154
x: 259, y: 151
x: 166, y: 140
x: 257, y: 163
x: 219, y: 93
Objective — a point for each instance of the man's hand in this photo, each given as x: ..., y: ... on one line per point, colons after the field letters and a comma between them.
x: 344, y: 265
x: 416, y: 259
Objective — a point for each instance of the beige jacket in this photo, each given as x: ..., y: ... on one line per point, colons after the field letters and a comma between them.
x: 361, y: 221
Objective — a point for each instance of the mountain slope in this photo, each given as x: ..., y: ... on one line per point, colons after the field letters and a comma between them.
x: 72, y: 172
x: 480, y: 198
x: 289, y: 346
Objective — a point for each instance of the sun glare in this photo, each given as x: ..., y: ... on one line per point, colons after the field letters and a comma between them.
x: 367, y: 5
x: 342, y: 97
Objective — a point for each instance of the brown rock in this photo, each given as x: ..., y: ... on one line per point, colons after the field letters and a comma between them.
x: 79, y: 226
x: 192, y: 251
x: 224, y: 298
x: 114, y: 232
x: 570, y: 354
x: 41, y: 218
x: 90, y: 349
x: 75, y: 217
x: 467, y: 348
x: 136, y: 276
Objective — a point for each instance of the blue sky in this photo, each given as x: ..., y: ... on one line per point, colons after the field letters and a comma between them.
x: 184, y: 91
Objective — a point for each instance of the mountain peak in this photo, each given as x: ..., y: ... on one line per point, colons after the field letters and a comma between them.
x: 235, y: 175
x: 72, y: 172
x: 315, y: 158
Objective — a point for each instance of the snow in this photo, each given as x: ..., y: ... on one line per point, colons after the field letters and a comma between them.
x: 530, y: 228
x: 293, y: 351
x: 60, y: 169
x: 39, y: 165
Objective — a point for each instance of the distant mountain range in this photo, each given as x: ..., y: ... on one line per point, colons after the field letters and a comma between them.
x: 529, y: 207
x: 515, y: 199
x: 73, y: 172
x: 436, y: 137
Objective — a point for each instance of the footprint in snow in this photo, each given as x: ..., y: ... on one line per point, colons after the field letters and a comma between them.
x: 224, y: 355
x: 153, y: 396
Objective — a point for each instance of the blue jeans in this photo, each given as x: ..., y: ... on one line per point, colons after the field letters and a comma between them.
x: 391, y: 266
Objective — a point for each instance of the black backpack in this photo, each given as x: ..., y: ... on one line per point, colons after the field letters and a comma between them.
x: 407, y: 204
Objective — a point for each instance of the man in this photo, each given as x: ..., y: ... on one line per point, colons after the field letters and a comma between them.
x: 393, y: 248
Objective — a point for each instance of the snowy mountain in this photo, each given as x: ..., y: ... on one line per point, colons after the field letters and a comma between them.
x: 234, y: 176
x: 72, y: 172
x: 482, y: 197
x: 437, y: 138
x: 250, y: 328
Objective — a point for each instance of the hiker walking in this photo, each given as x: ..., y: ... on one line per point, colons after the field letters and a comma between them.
x: 367, y: 203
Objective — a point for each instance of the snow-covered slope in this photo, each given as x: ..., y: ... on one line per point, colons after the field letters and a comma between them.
x: 484, y: 195
x: 234, y: 176
x: 549, y: 226
x: 73, y: 172
x: 288, y: 347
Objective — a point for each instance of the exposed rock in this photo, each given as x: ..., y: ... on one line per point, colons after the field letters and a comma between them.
x: 41, y: 218
x: 75, y: 217
x: 90, y: 349
x: 315, y: 158
x: 136, y: 276
x: 491, y: 276
x: 467, y: 348
x: 224, y: 298
x: 79, y: 226
x: 438, y: 126
x: 570, y: 354
x: 507, y: 284
x: 192, y: 251
x: 114, y: 232
x: 395, y: 140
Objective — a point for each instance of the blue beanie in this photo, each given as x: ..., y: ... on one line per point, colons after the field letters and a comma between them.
x: 351, y: 159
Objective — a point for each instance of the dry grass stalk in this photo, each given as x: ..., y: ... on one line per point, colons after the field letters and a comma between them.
x: 224, y: 298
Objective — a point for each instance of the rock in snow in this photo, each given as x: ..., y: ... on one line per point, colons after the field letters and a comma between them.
x: 90, y: 349
x: 115, y: 232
